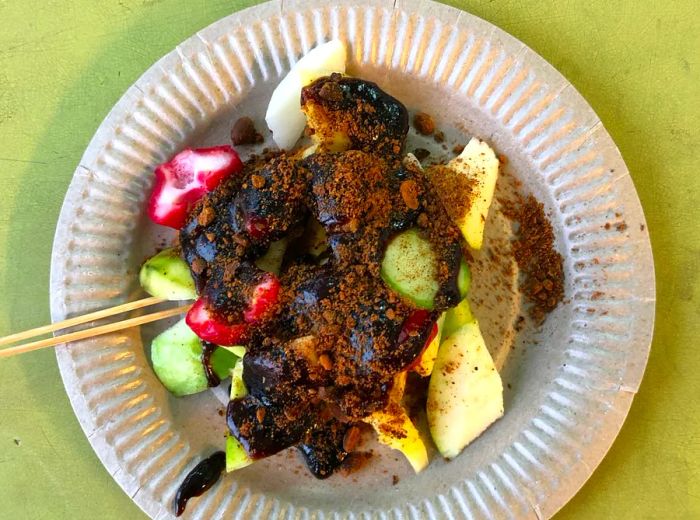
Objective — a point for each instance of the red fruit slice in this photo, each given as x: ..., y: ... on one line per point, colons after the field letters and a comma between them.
x: 264, y: 298
x: 211, y: 328
x: 416, y: 324
x: 431, y: 337
x: 257, y: 227
x: 184, y: 179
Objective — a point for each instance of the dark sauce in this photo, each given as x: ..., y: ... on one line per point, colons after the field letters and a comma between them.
x: 207, y: 351
x: 203, y: 476
x: 329, y: 355
x: 323, y: 449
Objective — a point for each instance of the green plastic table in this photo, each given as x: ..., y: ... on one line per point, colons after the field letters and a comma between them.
x: 64, y: 63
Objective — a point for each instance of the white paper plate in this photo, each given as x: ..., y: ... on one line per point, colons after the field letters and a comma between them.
x: 570, y: 384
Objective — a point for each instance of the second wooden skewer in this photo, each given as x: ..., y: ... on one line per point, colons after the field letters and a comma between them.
x: 88, y: 333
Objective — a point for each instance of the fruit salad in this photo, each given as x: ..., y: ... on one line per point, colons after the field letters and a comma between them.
x: 324, y: 277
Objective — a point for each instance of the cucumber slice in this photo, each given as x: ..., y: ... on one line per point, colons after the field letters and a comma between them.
x: 409, y: 267
x: 176, y: 356
x: 464, y: 279
x: 166, y: 275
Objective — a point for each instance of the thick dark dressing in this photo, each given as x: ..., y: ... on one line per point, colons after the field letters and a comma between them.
x: 361, y: 333
x: 203, y: 476
x: 207, y: 351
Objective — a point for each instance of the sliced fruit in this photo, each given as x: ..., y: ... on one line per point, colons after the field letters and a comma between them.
x: 272, y: 260
x: 424, y: 366
x: 395, y: 429
x: 409, y: 267
x: 213, y: 328
x: 464, y: 279
x: 456, y: 317
x: 184, y: 179
x: 284, y: 115
x: 479, y: 166
x: 264, y: 298
x: 236, y: 456
x: 465, y: 394
x: 210, y: 327
x: 238, y: 388
x: 334, y: 103
x: 167, y: 276
x: 176, y: 354
x: 314, y: 240
x: 237, y: 350
x: 399, y: 387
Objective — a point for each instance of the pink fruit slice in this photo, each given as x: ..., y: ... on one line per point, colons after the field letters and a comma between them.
x: 211, y: 328
x: 184, y: 179
x: 265, y: 296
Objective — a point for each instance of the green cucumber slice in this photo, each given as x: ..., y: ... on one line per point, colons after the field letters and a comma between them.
x: 464, y: 279
x: 167, y: 276
x: 409, y: 267
x: 176, y: 356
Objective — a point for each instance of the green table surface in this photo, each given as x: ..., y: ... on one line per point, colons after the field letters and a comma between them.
x: 64, y: 63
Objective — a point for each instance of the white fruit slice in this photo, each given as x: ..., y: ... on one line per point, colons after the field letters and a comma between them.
x: 478, y: 162
x: 465, y: 395
x: 284, y: 115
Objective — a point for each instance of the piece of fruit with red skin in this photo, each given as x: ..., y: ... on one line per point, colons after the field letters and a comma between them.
x: 210, y: 326
x: 414, y: 325
x: 265, y: 296
x: 184, y: 179
x: 257, y: 227
x: 214, y: 329
x: 431, y: 337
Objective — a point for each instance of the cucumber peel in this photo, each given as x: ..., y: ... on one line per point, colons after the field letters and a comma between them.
x: 176, y: 354
x: 167, y: 276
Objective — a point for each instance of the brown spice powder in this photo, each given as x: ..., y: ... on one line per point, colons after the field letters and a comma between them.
x: 542, y: 266
x: 454, y: 190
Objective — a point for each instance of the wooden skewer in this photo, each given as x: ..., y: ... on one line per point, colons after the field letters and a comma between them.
x: 93, y: 316
x: 96, y: 331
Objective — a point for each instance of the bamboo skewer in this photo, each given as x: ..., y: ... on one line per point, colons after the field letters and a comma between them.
x: 87, y: 333
x: 104, y: 313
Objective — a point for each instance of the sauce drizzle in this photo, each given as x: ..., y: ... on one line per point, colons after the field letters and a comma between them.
x: 203, y: 476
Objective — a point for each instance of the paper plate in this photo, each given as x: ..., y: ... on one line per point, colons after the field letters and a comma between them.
x: 569, y: 384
